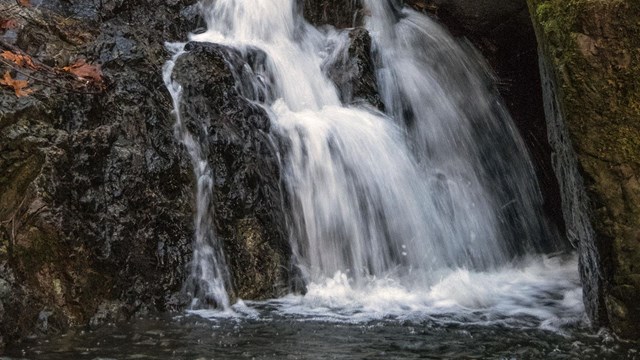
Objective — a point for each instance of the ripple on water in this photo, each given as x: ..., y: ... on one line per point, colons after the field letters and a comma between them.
x: 533, y: 310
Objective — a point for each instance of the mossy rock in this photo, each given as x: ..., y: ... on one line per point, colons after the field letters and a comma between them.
x: 593, y: 48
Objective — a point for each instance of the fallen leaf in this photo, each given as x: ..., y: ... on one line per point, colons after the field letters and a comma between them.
x: 6, y: 24
x: 19, y: 86
x: 85, y: 71
x: 25, y: 3
x: 18, y: 59
x: 419, y: 4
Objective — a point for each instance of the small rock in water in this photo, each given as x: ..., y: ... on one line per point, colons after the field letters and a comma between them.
x: 43, y: 320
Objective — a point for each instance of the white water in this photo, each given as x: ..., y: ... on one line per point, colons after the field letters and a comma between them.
x: 209, y: 277
x: 462, y: 134
x: 539, y: 292
x: 425, y: 210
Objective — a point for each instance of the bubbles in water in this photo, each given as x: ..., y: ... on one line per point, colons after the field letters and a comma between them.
x: 541, y: 292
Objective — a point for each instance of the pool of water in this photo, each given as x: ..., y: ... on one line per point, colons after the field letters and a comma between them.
x: 272, y: 335
x: 531, y: 310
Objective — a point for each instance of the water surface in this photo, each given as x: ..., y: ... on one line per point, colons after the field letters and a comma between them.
x: 293, y: 337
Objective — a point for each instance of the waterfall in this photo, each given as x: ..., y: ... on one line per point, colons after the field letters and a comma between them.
x: 437, y: 187
x: 442, y: 93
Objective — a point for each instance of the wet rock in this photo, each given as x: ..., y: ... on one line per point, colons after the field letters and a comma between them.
x: 479, y: 15
x: 5, y: 290
x: 109, y: 312
x: 351, y: 68
x: 249, y: 214
x: 43, y: 321
x: 338, y: 13
x: 95, y: 192
x: 590, y: 58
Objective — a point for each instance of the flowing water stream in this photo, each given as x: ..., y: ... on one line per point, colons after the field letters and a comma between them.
x: 430, y: 205
x: 418, y: 231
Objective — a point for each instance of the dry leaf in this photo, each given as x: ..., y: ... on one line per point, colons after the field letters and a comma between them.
x: 19, y: 86
x: 6, y: 24
x: 419, y: 4
x: 85, y: 71
x: 20, y: 60
x: 25, y: 3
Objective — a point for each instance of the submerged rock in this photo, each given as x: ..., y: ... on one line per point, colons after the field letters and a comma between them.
x: 351, y: 69
x: 591, y: 60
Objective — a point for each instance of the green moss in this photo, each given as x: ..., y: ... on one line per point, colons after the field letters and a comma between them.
x: 603, y: 86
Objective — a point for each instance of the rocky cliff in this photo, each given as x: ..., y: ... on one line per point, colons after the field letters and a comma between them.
x: 590, y: 52
x: 96, y: 193
x: 95, y: 197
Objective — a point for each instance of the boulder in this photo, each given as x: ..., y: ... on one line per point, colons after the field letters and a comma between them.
x: 350, y: 67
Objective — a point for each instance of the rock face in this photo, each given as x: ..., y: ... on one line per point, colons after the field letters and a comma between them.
x: 338, y: 13
x: 351, y: 69
x: 96, y: 194
x: 590, y: 52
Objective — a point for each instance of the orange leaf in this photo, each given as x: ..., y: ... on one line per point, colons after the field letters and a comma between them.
x: 6, y: 24
x: 19, y: 86
x: 85, y: 71
x: 25, y: 3
x: 20, y: 60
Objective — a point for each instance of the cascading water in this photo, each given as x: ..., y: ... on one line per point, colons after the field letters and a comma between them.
x: 209, y: 277
x: 404, y: 210
x: 461, y: 135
